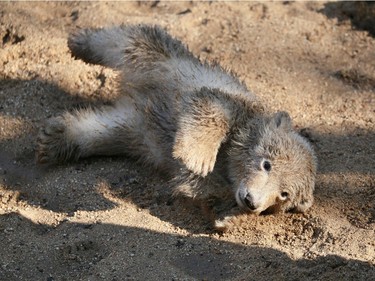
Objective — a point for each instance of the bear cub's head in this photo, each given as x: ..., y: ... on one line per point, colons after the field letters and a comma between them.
x: 273, y: 167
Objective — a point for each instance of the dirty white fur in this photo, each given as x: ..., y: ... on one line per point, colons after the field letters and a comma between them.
x: 195, y: 121
x: 93, y: 125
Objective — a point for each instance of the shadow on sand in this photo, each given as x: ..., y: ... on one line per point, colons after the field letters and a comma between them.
x: 110, y: 252
x: 71, y: 187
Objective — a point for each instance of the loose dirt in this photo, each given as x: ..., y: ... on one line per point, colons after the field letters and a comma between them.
x: 109, y: 219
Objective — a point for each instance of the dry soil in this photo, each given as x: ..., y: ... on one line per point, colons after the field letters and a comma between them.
x: 109, y: 219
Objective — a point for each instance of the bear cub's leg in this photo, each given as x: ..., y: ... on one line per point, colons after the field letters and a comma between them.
x: 84, y: 133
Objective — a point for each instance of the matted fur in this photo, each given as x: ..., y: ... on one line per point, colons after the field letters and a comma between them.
x: 192, y: 120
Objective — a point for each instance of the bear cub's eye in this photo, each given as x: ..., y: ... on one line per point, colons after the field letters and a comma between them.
x: 284, y: 195
x: 266, y: 165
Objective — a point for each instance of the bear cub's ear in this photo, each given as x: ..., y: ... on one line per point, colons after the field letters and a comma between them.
x: 282, y: 120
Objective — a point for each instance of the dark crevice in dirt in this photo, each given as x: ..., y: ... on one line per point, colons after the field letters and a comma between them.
x: 354, y: 78
x: 74, y: 15
x: 10, y: 37
x: 360, y: 13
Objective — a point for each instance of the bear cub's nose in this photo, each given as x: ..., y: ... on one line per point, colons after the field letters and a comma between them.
x: 249, y: 202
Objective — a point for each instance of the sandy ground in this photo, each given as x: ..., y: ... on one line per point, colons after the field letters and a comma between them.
x: 108, y: 219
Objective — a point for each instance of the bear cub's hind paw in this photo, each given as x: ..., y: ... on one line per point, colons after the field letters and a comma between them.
x: 51, y: 143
